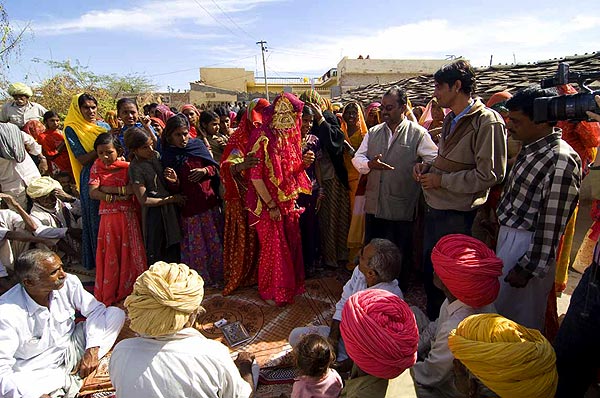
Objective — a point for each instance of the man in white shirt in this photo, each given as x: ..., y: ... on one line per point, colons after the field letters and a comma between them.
x: 171, y: 358
x: 17, y: 169
x: 21, y: 110
x: 467, y: 272
x: 42, y: 351
x: 388, y: 153
x: 378, y: 268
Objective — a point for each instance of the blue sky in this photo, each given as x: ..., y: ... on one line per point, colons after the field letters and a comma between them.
x: 169, y: 40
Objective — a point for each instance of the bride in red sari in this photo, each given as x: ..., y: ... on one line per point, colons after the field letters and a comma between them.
x: 276, y: 182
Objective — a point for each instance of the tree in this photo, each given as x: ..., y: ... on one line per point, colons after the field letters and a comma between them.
x: 10, y: 41
x: 73, y: 78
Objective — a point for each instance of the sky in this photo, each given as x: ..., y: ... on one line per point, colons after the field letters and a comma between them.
x: 169, y: 40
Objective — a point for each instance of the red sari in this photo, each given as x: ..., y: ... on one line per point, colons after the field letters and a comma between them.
x: 240, y: 245
x: 120, y: 257
x: 278, y: 147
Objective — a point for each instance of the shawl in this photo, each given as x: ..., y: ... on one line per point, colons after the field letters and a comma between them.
x: 34, y: 128
x: 163, y: 113
x: 86, y: 133
x: 12, y: 146
x: 235, y: 150
x: 159, y: 122
x: 278, y: 143
x: 175, y: 157
x: 427, y: 117
x: 362, y: 126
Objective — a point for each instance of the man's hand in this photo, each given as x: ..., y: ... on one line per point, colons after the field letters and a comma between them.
x: 430, y: 180
x: 62, y: 195
x: 75, y: 233
x: 244, y: 359
x: 420, y: 169
x: 43, y: 166
x: 88, y: 363
x: 377, y: 164
x: 518, y: 277
x: 593, y: 115
x: 8, y: 199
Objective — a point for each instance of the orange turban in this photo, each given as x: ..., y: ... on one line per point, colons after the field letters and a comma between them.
x: 468, y: 268
x: 380, y: 333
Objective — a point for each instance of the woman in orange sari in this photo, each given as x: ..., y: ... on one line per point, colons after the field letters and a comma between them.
x: 240, y: 245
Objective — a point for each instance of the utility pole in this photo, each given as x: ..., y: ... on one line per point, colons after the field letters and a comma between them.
x: 263, y: 48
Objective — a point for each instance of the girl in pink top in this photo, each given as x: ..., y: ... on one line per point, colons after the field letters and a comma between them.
x: 314, y: 355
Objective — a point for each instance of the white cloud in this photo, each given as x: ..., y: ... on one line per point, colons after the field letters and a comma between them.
x: 155, y: 17
x: 528, y: 38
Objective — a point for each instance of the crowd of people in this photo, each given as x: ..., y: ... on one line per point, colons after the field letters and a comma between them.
x: 471, y: 199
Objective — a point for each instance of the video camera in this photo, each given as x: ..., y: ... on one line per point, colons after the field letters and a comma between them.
x: 566, y: 107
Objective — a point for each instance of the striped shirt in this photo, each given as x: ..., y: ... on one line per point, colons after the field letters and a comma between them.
x: 540, y: 195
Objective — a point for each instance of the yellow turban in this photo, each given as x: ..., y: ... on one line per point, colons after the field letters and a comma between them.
x: 19, y: 89
x: 42, y: 186
x: 163, y: 298
x: 510, y: 359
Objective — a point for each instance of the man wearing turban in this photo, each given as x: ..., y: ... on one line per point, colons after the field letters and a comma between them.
x: 170, y: 358
x: 467, y: 271
x: 52, y: 211
x: 509, y: 359
x: 378, y: 267
x: 381, y: 337
x: 21, y: 110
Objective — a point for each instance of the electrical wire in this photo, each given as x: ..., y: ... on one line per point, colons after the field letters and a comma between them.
x: 232, y: 21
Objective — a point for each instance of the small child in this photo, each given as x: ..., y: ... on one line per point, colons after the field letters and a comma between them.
x: 314, y: 355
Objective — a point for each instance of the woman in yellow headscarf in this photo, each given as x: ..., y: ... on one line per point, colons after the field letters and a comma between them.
x: 354, y: 128
x: 81, y: 130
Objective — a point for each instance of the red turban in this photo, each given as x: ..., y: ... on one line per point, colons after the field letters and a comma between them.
x: 498, y: 97
x: 380, y: 333
x: 468, y: 268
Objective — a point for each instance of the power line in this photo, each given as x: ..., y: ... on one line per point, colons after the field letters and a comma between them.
x: 232, y: 21
x: 216, y: 20
x: 205, y: 66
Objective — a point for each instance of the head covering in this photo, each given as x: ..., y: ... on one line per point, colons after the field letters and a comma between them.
x: 510, y: 359
x: 112, y: 119
x: 468, y: 268
x: 163, y: 298
x: 497, y: 101
x: 360, y: 121
x: 86, y: 133
x: 12, y: 146
x: 42, y: 186
x: 158, y: 121
x: 372, y: 105
x: 34, y: 128
x: 164, y: 113
x: 19, y: 89
x: 336, y: 106
x: 380, y: 333
x: 313, y: 97
x: 427, y: 117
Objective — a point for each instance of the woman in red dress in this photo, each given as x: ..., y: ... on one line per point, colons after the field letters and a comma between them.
x: 277, y: 180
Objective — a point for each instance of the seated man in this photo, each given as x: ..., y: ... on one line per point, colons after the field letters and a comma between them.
x: 497, y: 354
x: 467, y: 272
x: 381, y: 337
x: 171, y: 358
x: 16, y: 227
x: 380, y: 263
x: 42, y: 351
x: 54, y: 216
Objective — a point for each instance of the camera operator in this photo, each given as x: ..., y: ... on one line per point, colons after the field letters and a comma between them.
x: 540, y: 195
x: 577, y: 345
x: 593, y: 115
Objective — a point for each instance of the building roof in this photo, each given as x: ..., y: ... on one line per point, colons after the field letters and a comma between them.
x: 489, y: 80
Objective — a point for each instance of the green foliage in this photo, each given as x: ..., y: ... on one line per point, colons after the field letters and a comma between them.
x: 74, y: 78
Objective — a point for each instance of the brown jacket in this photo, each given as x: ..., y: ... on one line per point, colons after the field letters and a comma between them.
x: 471, y: 160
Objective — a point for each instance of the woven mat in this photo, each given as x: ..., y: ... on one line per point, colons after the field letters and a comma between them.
x: 269, y: 326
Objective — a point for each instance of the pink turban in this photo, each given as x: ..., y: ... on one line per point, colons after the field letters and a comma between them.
x: 380, y: 333
x: 468, y: 268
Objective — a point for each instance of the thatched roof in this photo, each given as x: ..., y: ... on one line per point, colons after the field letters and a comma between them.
x: 489, y: 80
